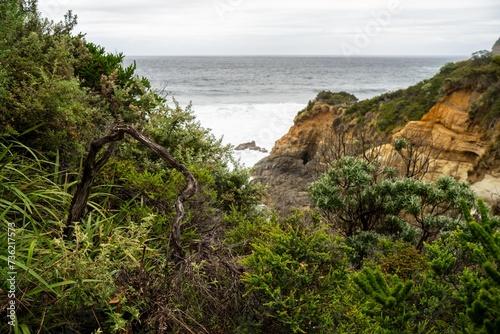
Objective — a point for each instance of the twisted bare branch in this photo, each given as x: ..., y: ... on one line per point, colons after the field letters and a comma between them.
x: 92, y: 168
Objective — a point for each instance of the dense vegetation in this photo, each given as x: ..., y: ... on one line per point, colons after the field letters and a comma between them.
x: 382, y: 253
x: 481, y: 73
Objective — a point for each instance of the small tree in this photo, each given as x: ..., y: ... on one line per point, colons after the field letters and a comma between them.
x: 356, y: 196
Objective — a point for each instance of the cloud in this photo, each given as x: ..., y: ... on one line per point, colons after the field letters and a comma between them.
x: 284, y: 27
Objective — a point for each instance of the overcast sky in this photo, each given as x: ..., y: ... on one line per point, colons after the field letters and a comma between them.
x: 279, y: 27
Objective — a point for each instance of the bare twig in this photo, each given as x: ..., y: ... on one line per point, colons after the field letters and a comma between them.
x: 418, y: 152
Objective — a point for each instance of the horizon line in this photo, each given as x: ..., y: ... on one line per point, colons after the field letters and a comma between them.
x: 291, y: 55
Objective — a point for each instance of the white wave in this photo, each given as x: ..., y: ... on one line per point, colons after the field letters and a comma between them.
x: 240, y: 123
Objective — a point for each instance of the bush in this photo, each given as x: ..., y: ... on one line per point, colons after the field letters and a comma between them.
x: 293, y: 273
x: 336, y: 99
x: 356, y: 196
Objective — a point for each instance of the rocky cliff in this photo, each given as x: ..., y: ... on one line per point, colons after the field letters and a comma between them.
x: 465, y: 146
x: 293, y: 161
x: 467, y: 151
x: 496, y: 48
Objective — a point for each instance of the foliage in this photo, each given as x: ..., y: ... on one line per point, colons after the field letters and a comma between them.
x: 357, y: 196
x: 294, y: 271
x: 119, y: 250
x: 394, y: 109
x: 58, y: 93
x: 354, y: 195
x: 48, y: 270
x: 390, y: 300
x: 100, y: 64
x: 404, y: 261
x: 336, y: 99
x: 485, y: 310
x: 342, y: 99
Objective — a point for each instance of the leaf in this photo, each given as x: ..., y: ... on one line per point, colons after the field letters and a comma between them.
x: 29, y: 271
x: 30, y: 252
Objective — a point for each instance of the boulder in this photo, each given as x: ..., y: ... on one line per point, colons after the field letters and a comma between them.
x: 250, y: 146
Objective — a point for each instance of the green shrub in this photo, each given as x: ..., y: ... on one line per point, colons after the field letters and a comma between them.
x: 293, y: 273
x: 388, y: 301
x: 336, y: 99
x: 356, y: 196
x: 485, y: 310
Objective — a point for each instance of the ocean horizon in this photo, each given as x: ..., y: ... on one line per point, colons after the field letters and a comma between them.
x: 255, y: 98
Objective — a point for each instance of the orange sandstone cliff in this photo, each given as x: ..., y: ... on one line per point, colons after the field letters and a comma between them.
x: 468, y: 151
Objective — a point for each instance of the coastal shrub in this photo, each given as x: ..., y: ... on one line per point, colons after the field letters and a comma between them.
x: 336, y: 99
x: 99, y: 63
x: 481, y: 57
x: 356, y: 196
x: 294, y: 274
x: 115, y: 275
x: 310, y: 106
x: 342, y: 99
x: 448, y: 285
x: 362, y: 246
x: 40, y: 95
x: 496, y: 60
x: 388, y: 300
x: 485, y: 309
x: 58, y: 90
x: 402, y: 259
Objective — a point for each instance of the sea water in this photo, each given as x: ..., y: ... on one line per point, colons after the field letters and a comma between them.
x: 242, y: 99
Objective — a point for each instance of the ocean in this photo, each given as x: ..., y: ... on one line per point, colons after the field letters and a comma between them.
x: 246, y: 98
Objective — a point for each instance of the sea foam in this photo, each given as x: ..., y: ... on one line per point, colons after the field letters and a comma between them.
x: 240, y: 123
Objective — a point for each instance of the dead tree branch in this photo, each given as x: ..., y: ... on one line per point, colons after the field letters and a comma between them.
x: 418, y: 151
x: 92, y: 168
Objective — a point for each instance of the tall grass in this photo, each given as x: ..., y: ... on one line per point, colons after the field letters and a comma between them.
x: 53, y: 275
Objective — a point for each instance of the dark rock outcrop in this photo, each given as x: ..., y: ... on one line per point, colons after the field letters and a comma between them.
x: 293, y: 164
x: 250, y: 146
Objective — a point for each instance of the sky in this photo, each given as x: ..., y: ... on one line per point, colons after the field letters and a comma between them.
x: 279, y: 27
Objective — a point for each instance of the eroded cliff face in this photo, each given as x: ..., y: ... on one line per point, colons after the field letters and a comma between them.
x: 293, y: 162
x: 463, y: 145
x: 467, y: 151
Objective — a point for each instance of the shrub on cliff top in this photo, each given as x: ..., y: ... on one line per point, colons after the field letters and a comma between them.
x: 336, y: 99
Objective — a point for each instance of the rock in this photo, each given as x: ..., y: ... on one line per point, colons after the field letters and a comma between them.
x: 250, y: 146
x: 292, y: 164
x: 468, y: 152
x: 496, y: 48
